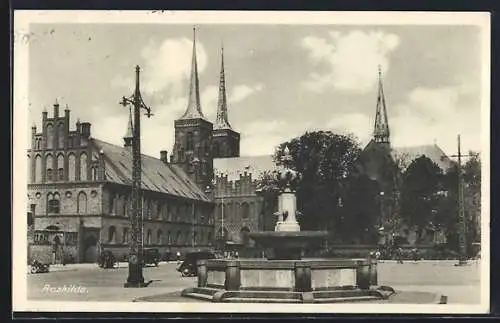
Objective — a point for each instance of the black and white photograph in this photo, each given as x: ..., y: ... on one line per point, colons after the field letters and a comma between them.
x: 306, y: 162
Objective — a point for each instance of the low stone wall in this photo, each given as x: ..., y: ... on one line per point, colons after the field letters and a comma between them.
x: 285, y: 275
x: 43, y: 253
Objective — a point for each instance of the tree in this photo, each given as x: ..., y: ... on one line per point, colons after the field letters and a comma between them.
x: 419, y: 192
x: 361, y: 209
x: 326, y: 162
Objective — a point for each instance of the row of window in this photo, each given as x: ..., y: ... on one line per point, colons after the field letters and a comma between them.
x: 43, y: 237
x: 54, y: 168
x: 72, y: 142
x: 244, y: 209
x: 54, y: 203
x: 121, y: 205
x: 171, y: 238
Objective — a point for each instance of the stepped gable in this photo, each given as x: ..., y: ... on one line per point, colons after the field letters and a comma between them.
x: 156, y: 175
x: 235, y: 166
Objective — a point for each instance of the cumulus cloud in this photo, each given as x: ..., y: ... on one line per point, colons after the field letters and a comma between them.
x: 349, y: 59
x: 357, y: 124
x: 443, y: 115
x: 243, y: 91
x: 261, y: 137
x: 167, y: 66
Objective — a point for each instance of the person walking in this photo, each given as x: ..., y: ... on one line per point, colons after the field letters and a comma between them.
x: 399, y: 255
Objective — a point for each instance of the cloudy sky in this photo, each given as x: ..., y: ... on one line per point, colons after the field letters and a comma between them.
x: 281, y: 79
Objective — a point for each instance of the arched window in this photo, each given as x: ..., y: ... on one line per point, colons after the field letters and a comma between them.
x: 94, y: 173
x: 125, y: 206
x: 38, y: 143
x: 111, y: 204
x: 53, y: 203
x: 148, y: 237
x: 216, y: 149
x: 60, y: 135
x: 209, y: 238
x: 178, y: 238
x: 60, y: 167
x: 200, y: 239
x: 49, y: 164
x: 189, y: 141
x: 111, y: 234
x: 195, y: 237
x: 169, y: 238
x: 50, y: 136
x: 159, y: 237
x: 188, y: 238
x: 71, y: 167
x: 81, y: 205
x: 125, y: 235
x: 159, y: 211
x: 83, y: 167
x: 38, y: 169
x: 244, y: 235
x: 245, y: 212
x: 225, y: 234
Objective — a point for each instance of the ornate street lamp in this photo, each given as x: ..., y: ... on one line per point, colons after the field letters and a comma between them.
x: 135, y: 277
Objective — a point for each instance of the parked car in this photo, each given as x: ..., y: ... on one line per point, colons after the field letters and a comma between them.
x: 151, y: 256
x: 189, y: 267
x: 106, y: 260
x: 38, y: 267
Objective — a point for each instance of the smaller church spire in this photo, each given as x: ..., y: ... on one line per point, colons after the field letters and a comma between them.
x: 129, y: 134
x: 381, y: 130
x: 222, y: 121
x: 193, y: 110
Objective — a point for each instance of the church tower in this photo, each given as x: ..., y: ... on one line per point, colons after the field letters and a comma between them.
x: 226, y: 141
x: 193, y: 134
x: 381, y: 132
x: 129, y: 134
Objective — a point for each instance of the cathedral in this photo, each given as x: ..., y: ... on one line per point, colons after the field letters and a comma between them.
x: 79, y: 187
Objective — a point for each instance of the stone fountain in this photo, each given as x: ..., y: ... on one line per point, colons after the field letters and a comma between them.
x: 285, y: 276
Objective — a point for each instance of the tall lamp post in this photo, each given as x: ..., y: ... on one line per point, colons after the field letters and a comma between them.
x: 462, y: 226
x: 135, y: 276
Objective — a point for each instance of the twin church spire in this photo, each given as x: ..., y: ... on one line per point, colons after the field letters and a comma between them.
x: 193, y: 110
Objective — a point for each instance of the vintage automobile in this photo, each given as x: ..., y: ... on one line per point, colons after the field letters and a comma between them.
x: 106, y: 260
x: 38, y: 267
x: 189, y: 267
x: 151, y: 256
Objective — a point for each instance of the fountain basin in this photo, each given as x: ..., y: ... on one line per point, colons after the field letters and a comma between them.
x: 289, y: 281
x: 288, y: 245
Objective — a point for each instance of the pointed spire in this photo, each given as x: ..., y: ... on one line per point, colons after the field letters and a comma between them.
x: 193, y: 110
x: 129, y: 134
x: 381, y: 130
x: 222, y: 121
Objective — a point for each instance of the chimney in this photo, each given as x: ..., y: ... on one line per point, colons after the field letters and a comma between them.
x: 164, y: 156
x: 33, y: 134
x: 85, y: 129
x: 171, y: 158
x: 56, y: 109
x: 44, y: 116
x: 102, y: 169
x: 66, y: 114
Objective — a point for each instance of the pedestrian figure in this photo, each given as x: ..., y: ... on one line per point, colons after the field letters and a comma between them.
x: 399, y: 255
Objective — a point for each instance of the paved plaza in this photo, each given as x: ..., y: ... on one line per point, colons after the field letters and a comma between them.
x: 87, y: 282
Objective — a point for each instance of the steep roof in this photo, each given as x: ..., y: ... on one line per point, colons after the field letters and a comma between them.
x: 156, y: 175
x: 234, y: 166
x: 433, y: 152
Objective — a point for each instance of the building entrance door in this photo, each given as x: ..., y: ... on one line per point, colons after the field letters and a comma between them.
x: 90, y: 246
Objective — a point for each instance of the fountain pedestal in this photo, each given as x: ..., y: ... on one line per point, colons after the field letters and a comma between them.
x: 284, y: 277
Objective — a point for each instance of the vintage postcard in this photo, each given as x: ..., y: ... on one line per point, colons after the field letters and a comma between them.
x: 307, y: 162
